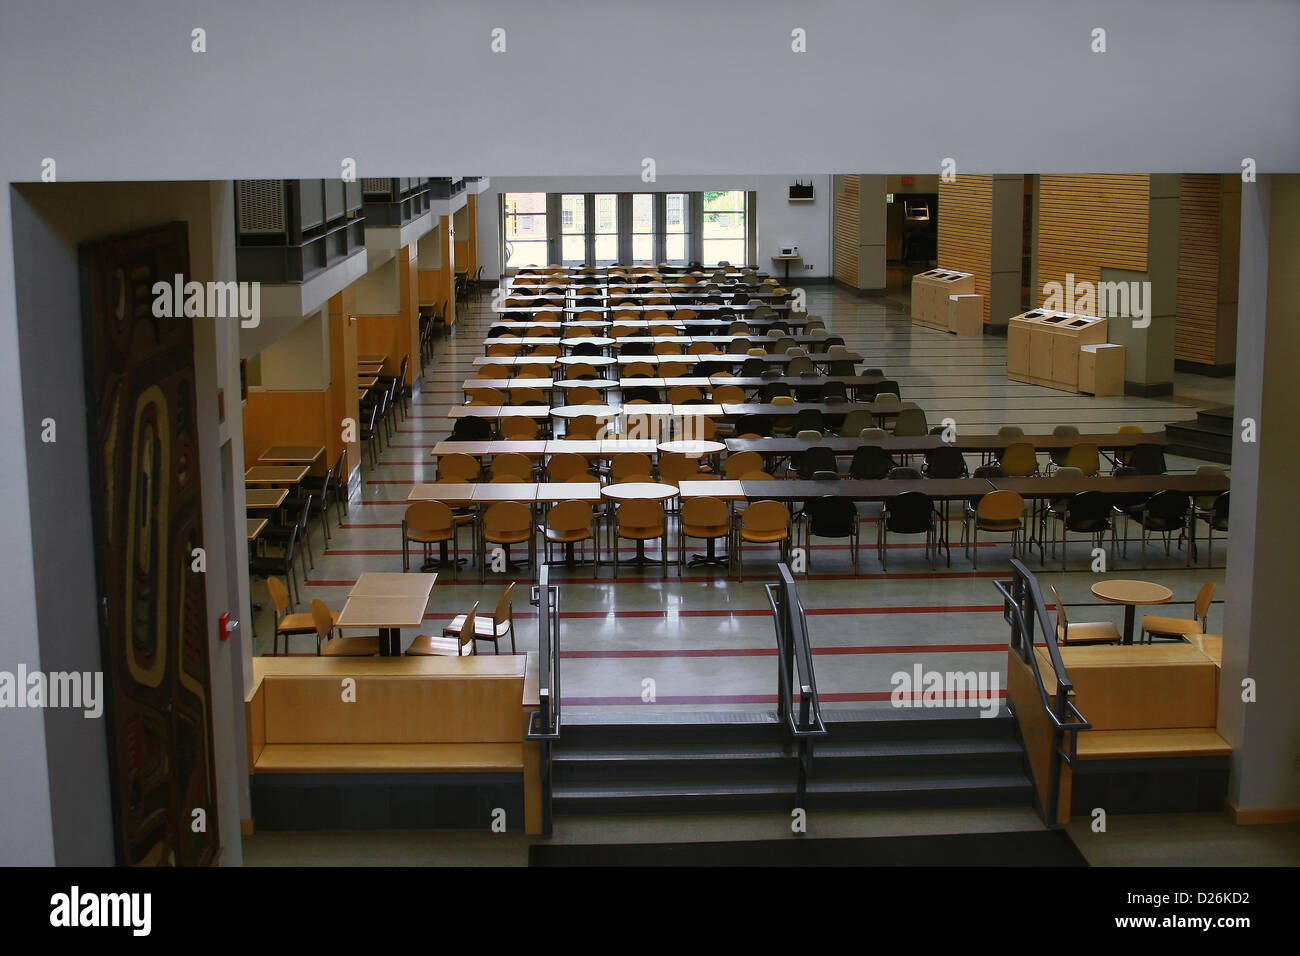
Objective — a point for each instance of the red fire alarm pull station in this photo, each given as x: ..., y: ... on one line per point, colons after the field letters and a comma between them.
x: 225, y: 625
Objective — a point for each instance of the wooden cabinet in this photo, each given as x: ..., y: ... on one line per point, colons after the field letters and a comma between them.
x: 1043, y: 347
x: 1101, y: 369
x: 966, y: 315
x: 930, y: 292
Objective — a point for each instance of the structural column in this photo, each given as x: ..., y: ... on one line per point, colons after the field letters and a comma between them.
x: 1259, y: 641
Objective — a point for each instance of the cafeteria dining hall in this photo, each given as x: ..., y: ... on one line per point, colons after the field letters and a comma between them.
x: 728, y: 506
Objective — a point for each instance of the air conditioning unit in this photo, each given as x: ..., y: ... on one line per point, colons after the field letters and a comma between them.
x: 801, y: 192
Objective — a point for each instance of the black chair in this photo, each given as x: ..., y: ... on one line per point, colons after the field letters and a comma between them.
x: 818, y: 460
x: 870, y: 463
x: 832, y: 390
x: 772, y: 390
x: 637, y: 348
x: 586, y: 348
x: 753, y: 425
x: 1147, y: 459
x: 1165, y: 512
x: 471, y: 428
x: 279, y: 534
x: 909, y: 513
x: 370, y: 433
x: 279, y: 565
x: 944, y: 462
x: 1216, y: 519
x: 317, y: 503
x: 886, y: 385
x: 322, y: 487
x: 641, y: 393
x: 842, y: 367
x: 753, y: 367
x: 831, y: 516
x: 1088, y: 512
x: 830, y: 340
x: 904, y: 473
x: 740, y: 298
x: 808, y: 419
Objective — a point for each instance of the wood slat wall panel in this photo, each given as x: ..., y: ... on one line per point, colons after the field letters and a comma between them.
x: 1087, y: 222
x: 966, y: 230
x: 845, y: 239
x: 1199, y: 216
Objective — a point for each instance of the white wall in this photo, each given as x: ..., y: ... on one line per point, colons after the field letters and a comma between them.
x: 779, y: 221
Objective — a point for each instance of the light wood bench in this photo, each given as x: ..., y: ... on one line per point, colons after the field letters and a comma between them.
x: 409, y: 715
x: 1147, y: 703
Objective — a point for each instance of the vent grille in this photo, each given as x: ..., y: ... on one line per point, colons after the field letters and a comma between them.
x: 261, y: 206
x: 373, y: 187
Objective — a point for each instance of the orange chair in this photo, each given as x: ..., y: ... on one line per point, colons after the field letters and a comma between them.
x: 286, y: 623
x: 630, y: 466
x: 763, y: 522
x: 738, y: 464
x: 1001, y: 511
x: 460, y: 646
x: 514, y: 465
x: 518, y: 428
x: 329, y: 646
x: 704, y: 518
x: 569, y: 523
x: 642, y: 520
x: 1088, y: 632
x: 506, y: 523
x: 428, y: 523
x: 1177, y: 628
x: 459, y: 467
x: 501, y: 624
x: 568, y: 467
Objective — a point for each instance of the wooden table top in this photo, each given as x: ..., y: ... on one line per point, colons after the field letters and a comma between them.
x: 500, y: 411
x: 521, y: 491
x: 371, y: 359
x: 291, y: 454
x: 631, y: 490
x: 386, y: 612
x: 552, y: 491
x: 724, y: 488
x: 862, y: 490
x: 1053, y: 487
x: 259, y: 499
x: 768, y: 409
x: 489, y: 448
x: 255, y: 527
x: 580, y: 411
x: 1132, y: 592
x: 393, y: 584
x: 275, y: 474
x: 363, y: 382
x: 452, y: 492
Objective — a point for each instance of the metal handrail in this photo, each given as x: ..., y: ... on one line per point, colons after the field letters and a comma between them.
x: 544, y: 724
x: 794, y: 658
x: 1022, y: 607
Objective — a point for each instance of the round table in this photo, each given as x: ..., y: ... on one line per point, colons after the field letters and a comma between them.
x: 1131, y: 594
x: 569, y: 383
x: 697, y: 448
x: 631, y: 490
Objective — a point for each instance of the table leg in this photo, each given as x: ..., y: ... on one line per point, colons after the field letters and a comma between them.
x: 442, y: 562
x: 1130, y: 612
x: 390, y: 642
x: 710, y: 557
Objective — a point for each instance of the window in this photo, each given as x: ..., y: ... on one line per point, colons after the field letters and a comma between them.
x: 643, y: 227
x: 606, y: 228
x: 677, y: 227
x: 573, y: 229
x: 724, y: 227
x: 525, y: 230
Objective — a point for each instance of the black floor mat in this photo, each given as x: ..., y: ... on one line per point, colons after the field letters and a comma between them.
x: 1017, y: 848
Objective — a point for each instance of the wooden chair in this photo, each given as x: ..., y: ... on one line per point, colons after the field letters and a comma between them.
x: 727, y: 395
x: 518, y: 466
x: 518, y: 428
x: 1177, y: 628
x: 329, y: 646
x: 485, y: 396
x: 428, y: 523
x: 566, y: 466
x: 462, y: 645
x: 741, y: 463
x: 286, y: 623
x: 570, y: 523
x: 763, y: 522
x: 459, y: 467
x: 501, y: 624
x: 1020, y: 460
x: 630, y: 466
x: 641, y: 520
x: 506, y: 523
x: 997, y: 511
x: 1089, y: 632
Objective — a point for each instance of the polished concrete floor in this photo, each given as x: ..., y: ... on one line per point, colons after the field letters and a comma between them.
x: 707, y: 642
